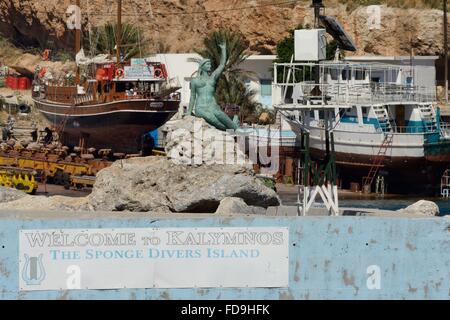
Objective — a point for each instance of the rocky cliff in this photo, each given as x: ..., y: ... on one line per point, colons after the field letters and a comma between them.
x: 180, y: 25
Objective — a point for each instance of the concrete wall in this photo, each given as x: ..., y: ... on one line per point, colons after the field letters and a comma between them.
x: 329, y: 257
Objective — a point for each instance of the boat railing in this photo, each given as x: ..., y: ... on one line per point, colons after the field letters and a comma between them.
x: 414, y: 129
x: 364, y: 93
x: 134, y: 97
x: 445, y: 184
x: 85, y: 98
x: 444, y: 130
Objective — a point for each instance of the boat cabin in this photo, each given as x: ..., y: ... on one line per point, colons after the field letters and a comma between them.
x: 107, y: 83
x: 375, y: 97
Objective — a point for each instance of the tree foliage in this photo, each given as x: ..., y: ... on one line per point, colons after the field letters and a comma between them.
x: 106, y: 40
x: 231, y: 88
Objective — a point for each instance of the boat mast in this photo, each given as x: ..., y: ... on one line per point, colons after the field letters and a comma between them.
x: 77, y: 45
x: 446, y: 51
x: 119, y: 31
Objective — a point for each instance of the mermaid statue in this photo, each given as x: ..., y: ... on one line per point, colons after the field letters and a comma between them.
x: 203, y: 88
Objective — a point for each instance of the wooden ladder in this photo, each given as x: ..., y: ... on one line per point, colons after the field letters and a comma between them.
x: 387, y: 142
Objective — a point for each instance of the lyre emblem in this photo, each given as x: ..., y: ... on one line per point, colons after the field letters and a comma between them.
x: 33, y: 272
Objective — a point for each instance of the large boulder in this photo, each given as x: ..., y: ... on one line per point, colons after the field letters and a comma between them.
x: 158, y: 184
x: 10, y: 194
x: 422, y: 207
x: 43, y: 203
x: 238, y: 206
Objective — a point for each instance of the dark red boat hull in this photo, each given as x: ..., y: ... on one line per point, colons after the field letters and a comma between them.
x: 118, y: 126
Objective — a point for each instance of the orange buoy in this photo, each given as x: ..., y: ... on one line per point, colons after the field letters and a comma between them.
x: 119, y: 73
x: 158, y: 73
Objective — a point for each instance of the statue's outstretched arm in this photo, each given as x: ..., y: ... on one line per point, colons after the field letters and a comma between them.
x: 192, y: 99
x: 223, y: 61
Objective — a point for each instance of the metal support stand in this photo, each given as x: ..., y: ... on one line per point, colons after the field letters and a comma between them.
x: 380, y: 188
x: 318, y: 180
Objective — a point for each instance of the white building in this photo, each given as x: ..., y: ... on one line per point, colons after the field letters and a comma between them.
x: 184, y: 67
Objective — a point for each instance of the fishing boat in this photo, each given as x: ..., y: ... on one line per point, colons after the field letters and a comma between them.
x: 383, y: 124
x: 116, y: 103
x: 378, y: 124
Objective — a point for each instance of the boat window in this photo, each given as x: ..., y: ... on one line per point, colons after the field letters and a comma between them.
x: 365, y: 110
x: 266, y: 87
x: 311, y: 113
x: 360, y: 74
x: 348, y: 112
x: 321, y: 114
x: 345, y: 74
x: 106, y: 87
x: 409, y: 81
x: 120, y: 87
x: 334, y: 73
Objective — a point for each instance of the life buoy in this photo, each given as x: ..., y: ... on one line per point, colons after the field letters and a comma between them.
x: 158, y: 73
x: 119, y: 73
x: 23, y: 108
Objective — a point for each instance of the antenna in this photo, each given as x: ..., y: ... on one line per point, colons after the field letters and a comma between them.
x: 77, y: 46
x: 446, y: 51
x: 119, y: 30
x: 317, y: 5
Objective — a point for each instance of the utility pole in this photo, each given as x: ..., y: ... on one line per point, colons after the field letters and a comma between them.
x: 77, y: 34
x: 446, y: 51
x: 77, y: 42
x: 317, y: 5
x: 119, y: 30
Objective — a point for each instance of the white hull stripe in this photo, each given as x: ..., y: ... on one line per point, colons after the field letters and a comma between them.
x: 58, y: 105
x: 103, y: 113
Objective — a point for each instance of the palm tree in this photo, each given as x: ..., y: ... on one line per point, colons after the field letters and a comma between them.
x: 233, y: 92
x: 231, y: 88
x: 130, y: 40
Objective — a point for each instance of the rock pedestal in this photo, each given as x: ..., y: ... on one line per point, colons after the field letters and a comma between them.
x: 158, y: 184
x: 192, y: 141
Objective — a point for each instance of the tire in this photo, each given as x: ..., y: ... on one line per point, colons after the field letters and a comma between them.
x: 20, y: 186
x: 23, y: 108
